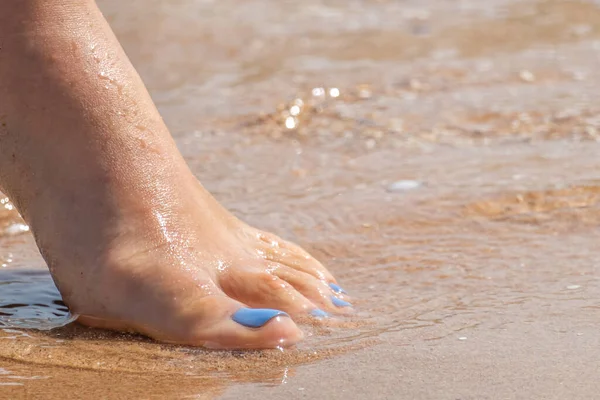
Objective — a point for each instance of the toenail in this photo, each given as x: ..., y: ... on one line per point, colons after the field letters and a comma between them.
x: 319, y: 313
x: 340, y: 302
x: 336, y: 288
x: 256, y: 317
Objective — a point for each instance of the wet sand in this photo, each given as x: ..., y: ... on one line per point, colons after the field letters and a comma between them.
x: 475, y: 279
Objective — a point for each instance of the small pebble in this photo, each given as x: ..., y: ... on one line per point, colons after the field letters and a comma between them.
x: 403, y: 186
x: 526, y: 76
x: 364, y: 92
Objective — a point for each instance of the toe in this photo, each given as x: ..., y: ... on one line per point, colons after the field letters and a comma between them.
x: 219, y: 322
x: 265, y: 290
x: 337, y: 288
x: 256, y: 317
x: 283, y: 252
x: 317, y: 291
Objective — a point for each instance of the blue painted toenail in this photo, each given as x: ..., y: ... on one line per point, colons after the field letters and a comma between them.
x: 336, y: 288
x: 255, y: 317
x: 340, y: 302
x: 319, y: 313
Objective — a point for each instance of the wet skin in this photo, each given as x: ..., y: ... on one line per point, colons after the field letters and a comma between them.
x: 132, y: 239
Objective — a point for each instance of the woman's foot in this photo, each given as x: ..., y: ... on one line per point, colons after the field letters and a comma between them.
x: 188, y: 272
x: 132, y: 239
x: 183, y: 273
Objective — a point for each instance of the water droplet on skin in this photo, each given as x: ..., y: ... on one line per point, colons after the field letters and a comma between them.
x: 334, y: 92
x: 221, y: 267
x: 295, y: 110
x: 462, y: 338
x: 573, y: 287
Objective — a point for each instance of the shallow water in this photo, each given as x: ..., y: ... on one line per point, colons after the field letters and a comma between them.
x: 477, y: 279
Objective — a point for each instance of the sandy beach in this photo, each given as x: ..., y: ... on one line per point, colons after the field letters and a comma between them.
x: 440, y: 157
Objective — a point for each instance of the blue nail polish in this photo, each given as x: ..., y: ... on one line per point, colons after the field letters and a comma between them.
x: 340, y: 302
x: 255, y: 317
x: 319, y: 313
x: 336, y: 288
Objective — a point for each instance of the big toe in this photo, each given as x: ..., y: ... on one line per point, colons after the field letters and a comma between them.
x: 223, y: 323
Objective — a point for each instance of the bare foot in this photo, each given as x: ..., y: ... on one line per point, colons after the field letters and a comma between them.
x: 189, y: 272
x: 132, y: 239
